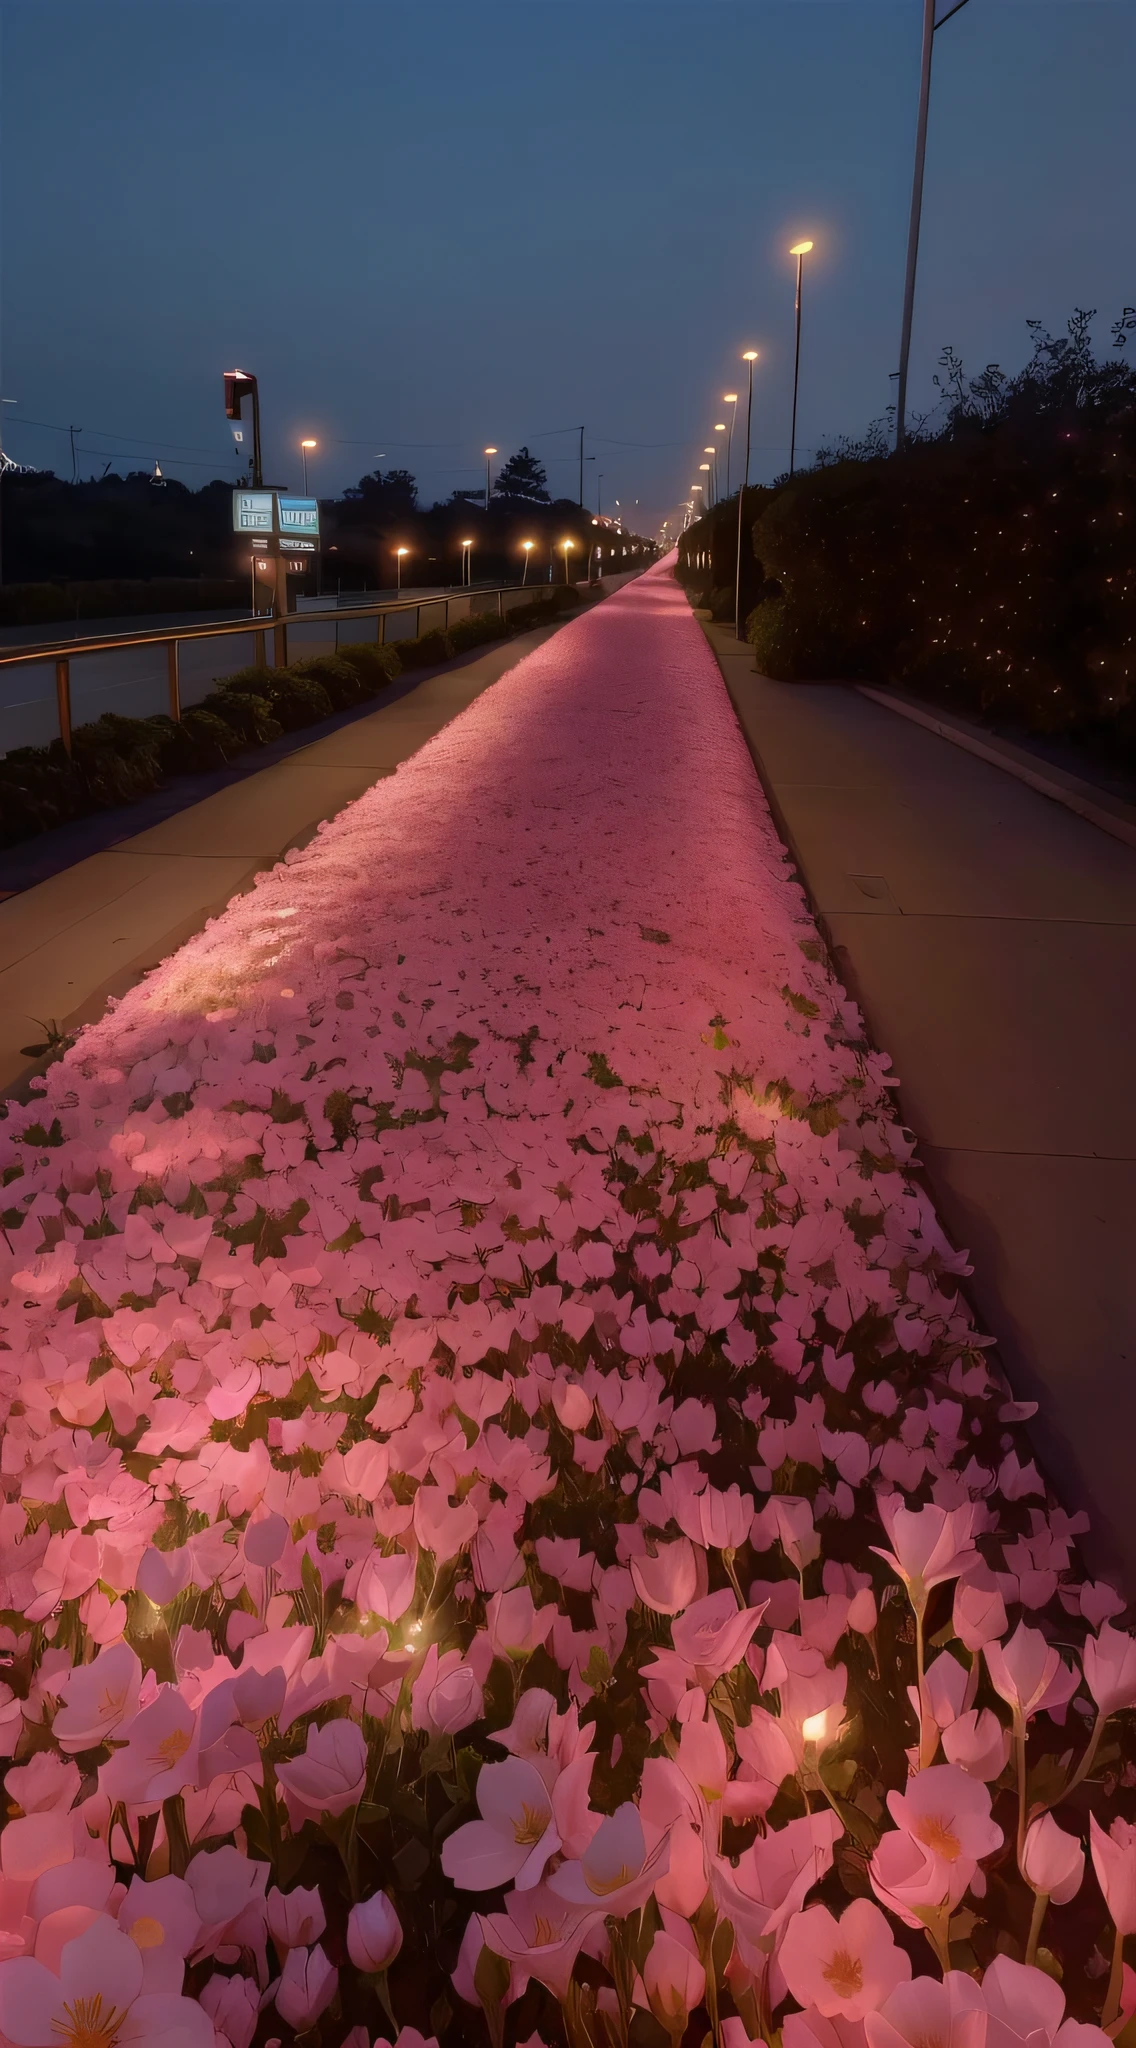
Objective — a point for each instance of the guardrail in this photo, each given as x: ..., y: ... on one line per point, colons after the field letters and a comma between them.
x: 449, y: 604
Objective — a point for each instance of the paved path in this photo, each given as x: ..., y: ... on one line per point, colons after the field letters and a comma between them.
x: 990, y: 937
x: 93, y: 930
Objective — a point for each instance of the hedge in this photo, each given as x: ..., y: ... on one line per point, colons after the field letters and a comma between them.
x: 45, y: 604
x: 116, y: 760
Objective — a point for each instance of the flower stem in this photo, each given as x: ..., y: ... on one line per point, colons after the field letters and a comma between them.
x: 1089, y: 1758
x: 1020, y: 1752
x: 1040, y: 1904
x: 1115, y: 1982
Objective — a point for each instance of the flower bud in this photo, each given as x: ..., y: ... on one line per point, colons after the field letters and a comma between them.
x: 374, y: 1933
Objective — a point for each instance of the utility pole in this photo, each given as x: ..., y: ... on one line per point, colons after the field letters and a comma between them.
x: 73, y: 431
x: 3, y: 471
x: 929, y: 27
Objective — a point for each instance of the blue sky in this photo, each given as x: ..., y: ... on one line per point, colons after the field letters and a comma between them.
x: 437, y: 223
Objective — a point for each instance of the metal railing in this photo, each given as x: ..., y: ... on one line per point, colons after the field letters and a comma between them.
x: 456, y: 604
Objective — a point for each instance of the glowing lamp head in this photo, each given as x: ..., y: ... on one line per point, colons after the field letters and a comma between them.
x: 704, y: 465
x: 491, y: 451
x: 820, y: 1729
x: 527, y: 544
x: 309, y: 444
x: 467, y: 543
x: 402, y: 551
x: 750, y: 355
x: 721, y: 427
x: 566, y: 544
x: 709, y: 451
x: 800, y: 248
x: 729, y: 398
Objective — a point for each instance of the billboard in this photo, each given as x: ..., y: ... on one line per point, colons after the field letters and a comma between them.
x: 299, y: 516
x: 253, y: 512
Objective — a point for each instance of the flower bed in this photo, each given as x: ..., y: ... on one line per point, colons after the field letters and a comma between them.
x: 509, y: 1531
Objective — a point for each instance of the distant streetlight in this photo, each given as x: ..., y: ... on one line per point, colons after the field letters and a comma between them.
x: 467, y: 561
x: 398, y: 555
x: 711, y: 451
x: 528, y: 546
x: 567, y: 546
x: 749, y: 358
x: 800, y: 250
x: 488, y: 453
x: 929, y: 26
x: 304, y: 446
x: 730, y: 398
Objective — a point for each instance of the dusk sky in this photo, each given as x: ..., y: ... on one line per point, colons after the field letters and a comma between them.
x: 427, y: 226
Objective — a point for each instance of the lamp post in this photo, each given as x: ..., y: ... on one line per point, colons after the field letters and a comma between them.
x: 719, y: 429
x: 749, y: 358
x: 467, y: 561
x: 528, y: 546
x: 304, y: 446
x: 567, y: 546
x: 800, y: 250
x: 929, y: 27
x: 730, y: 398
x: 712, y: 452
x: 398, y: 555
x: 488, y: 453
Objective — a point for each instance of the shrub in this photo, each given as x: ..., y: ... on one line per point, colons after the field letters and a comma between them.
x: 202, y: 740
x: 38, y: 790
x: 477, y: 630
x: 376, y: 665
x: 341, y: 679
x: 247, y: 713
x: 426, y: 652
x: 294, y: 700
x: 116, y: 760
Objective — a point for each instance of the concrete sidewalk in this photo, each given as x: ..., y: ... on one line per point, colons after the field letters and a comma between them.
x: 990, y: 937
x: 93, y: 930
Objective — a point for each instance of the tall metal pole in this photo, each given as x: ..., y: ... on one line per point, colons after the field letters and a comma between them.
x: 916, y: 216
x: 797, y: 363
x: 257, y: 469
x: 304, y: 459
x: 730, y: 441
x: 750, y: 360
x: 581, y: 469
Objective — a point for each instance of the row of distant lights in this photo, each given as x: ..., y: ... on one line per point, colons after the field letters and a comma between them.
x: 567, y: 545
x: 731, y: 397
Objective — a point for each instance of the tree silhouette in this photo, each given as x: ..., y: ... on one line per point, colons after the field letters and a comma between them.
x: 523, y: 477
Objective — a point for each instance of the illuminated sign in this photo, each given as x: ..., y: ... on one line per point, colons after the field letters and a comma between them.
x: 299, y: 515
x: 288, y: 546
x: 252, y: 511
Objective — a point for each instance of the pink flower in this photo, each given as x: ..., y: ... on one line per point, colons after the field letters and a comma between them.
x: 233, y: 2005
x: 96, y: 1997
x: 446, y: 1696
x: 808, y: 2029
x: 718, y: 1520
x: 674, y: 1981
x: 515, y: 1836
x: 952, y: 2014
x: 295, y: 1918
x: 98, y: 1698
x: 330, y: 1775
x: 1029, y: 1675
x: 771, y: 1881
x: 307, y: 1986
x: 915, y: 1885
x: 1025, y: 2005
x: 615, y: 1875
x: 385, y: 1585
x: 159, y: 1756
x: 844, y: 1967
x: 1109, y: 1664
x: 1114, y: 1860
x: 163, y: 1922
x: 714, y: 1635
x: 44, y: 1784
x: 948, y: 1814
x: 978, y: 1743
x: 1052, y: 1861
x: 979, y: 1611
x: 667, y: 1582
x: 374, y: 1933
x: 929, y: 1545
x: 541, y: 1934
x: 516, y: 1628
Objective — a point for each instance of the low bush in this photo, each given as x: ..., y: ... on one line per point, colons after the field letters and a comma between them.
x: 341, y: 679
x: 477, y: 630
x: 376, y: 665
x: 45, y: 604
x: 247, y: 714
x: 428, y: 651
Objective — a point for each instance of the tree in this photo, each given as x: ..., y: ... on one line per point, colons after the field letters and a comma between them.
x: 523, y: 477
x: 394, y: 494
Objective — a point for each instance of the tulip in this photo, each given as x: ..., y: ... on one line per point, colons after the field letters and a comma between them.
x: 674, y: 1981
x: 929, y: 1545
x: 951, y: 2014
x: 667, y: 1582
x: 233, y: 2005
x: 1053, y: 1864
x: 1114, y: 1860
x: 615, y: 1875
x: 1029, y: 1675
x: 374, y: 1933
x: 295, y: 1918
x: 307, y: 1986
x: 515, y: 1836
x: 977, y: 1742
x: 980, y: 1611
x: 330, y: 1775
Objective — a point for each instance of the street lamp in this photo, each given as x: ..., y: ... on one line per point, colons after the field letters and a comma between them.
x: 929, y: 27
x: 567, y: 546
x: 730, y: 398
x: 304, y: 446
x: 800, y: 250
x: 488, y: 453
x: 398, y: 555
x: 528, y: 546
x: 711, y: 451
x: 749, y: 358
x: 467, y: 561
